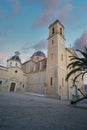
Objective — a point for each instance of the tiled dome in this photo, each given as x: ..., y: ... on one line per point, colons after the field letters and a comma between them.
x: 16, y: 58
x: 39, y: 53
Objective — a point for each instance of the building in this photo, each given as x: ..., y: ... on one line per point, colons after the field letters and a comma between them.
x: 12, y: 77
x: 41, y: 74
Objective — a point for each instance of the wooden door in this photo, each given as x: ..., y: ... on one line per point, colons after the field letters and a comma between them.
x: 12, y: 87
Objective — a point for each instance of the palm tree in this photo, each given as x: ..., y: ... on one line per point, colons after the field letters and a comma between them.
x: 78, y: 65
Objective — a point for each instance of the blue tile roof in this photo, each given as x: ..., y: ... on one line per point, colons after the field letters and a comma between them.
x: 39, y: 53
x: 16, y: 58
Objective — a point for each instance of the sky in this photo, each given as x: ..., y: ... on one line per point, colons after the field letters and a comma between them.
x: 24, y: 25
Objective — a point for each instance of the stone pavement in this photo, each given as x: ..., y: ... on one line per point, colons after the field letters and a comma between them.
x: 31, y: 112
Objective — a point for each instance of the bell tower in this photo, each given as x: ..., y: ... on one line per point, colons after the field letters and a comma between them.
x: 56, y: 59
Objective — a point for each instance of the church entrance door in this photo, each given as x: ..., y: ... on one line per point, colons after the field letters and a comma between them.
x: 12, y: 87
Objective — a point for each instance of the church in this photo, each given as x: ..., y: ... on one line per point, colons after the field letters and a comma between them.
x: 41, y: 74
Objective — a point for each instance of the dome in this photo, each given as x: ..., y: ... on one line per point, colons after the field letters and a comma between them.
x: 39, y: 53
x: 16, y: 58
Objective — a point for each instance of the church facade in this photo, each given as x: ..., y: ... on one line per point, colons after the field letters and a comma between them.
x: 41, y: 74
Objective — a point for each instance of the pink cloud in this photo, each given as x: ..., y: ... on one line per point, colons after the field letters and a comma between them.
x: 3, y: 59
x: 77, y: 17
x: 64, y: 12
x: 29, y: 48
x: 42, y: 45
x: 26, y: 48
x: 43, y: 19
x: 45, y: 4
x: 15, y: 6
x: 81, y: 42
x: 49, y: 7
x: 53, y: 10
x: 49, y: 4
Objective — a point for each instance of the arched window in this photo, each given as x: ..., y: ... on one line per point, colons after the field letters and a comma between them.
x: 23, y: 85
x: 53, y: 30
x: 0, y: 82
x: 52, y: 56
x: 60, y: 31
x: 52, y: 41
x: 61, y: 57
x: 51, y: 81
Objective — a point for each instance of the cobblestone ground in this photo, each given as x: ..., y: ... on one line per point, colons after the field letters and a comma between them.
x: 31, y: 112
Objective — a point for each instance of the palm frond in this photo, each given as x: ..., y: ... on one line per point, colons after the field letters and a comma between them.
x: 73, y: 58
x: 85, y: 48
x: 78, y: 64
x: 84, y: 53
x: 75, y: 64
x: 72, y: 72
x: 77, y: 77
x: 83, y: 74
x: 80, y: 60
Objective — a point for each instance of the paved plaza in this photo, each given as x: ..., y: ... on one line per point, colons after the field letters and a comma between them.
x: 31, y: 112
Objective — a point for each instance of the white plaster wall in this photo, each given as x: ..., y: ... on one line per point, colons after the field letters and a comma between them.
x: 13, y: 75
x: 13, y: 63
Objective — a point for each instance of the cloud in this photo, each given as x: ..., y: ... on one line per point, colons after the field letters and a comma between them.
x: 26, y: 48
x: 43, y: 19
x: 3, y: 59
x: 64, y: 12
x: 42, y: 45
x: 25, y: 57
x: 48, y: 10
x: 78, y: 14
x: 15, y: 6
x: 81, y: 42
x: 45, y: 4
x: 51, y: 10
x: 57, y: 9
x: 49, y: 4
x: 30, y: 49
